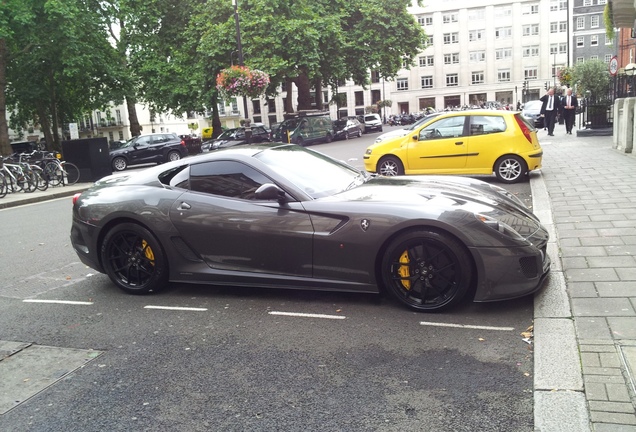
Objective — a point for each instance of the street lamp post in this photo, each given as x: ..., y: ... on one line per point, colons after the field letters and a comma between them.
x: 629, y: 71
x: 239, y: 47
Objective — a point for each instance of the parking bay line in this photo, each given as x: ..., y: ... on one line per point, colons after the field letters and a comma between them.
x: 466, y: 326
x: 69, y: 302
x: 176, y: 308
x: 307, y: 315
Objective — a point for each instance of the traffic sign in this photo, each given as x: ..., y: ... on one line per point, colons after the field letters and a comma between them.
x: 613, y: 66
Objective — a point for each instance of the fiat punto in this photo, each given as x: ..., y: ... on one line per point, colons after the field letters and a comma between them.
x: 476, y: 142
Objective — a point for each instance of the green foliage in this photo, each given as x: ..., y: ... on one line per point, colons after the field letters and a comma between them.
x: 608, y: 18
x: 385, y: 103
x: 592, y: 75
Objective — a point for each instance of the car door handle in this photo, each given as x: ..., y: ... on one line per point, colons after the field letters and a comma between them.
x: 459, y: 142
x: 184, y: 206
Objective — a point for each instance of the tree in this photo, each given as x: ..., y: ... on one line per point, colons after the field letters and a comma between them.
x: 593, y: 76
x: 57, y: 65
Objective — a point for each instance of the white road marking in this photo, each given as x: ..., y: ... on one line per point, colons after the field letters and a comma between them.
x: 307, y: 315
x: 176, y: 308
x: 70, y: 302
x: 476, y: 327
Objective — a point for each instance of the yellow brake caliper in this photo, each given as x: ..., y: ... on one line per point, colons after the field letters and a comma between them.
x: 148, y: 252
x: 404, y: 270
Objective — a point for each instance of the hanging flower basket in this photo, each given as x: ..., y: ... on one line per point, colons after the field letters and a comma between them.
x: 241, y: 81
x: 566, y: 76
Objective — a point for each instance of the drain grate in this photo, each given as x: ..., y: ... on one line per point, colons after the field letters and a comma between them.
x: 27, y: 369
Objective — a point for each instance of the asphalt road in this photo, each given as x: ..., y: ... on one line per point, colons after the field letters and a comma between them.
x: 235, y: 362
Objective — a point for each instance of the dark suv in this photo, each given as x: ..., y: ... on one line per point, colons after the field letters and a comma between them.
x: 234, y: 137
x: 152, y: 148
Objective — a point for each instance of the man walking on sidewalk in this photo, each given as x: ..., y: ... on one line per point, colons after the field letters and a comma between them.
x: 569, y: 110
x: 549, y: 109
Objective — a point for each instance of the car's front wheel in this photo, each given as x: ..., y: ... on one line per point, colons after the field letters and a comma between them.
x: 119, y: 164
x: 390, y: 166
x: 134, y: 260
x: 427, y: 270
x: 510, y: 169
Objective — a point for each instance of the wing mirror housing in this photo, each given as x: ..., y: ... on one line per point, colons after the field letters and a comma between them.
x: 270, y: 191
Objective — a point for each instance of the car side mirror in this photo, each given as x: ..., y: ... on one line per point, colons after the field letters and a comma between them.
x: 270, y: 191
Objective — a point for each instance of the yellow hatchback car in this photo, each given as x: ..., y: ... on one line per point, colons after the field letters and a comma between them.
x: 462, y: 142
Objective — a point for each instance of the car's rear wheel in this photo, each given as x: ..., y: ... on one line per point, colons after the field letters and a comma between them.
x: 390, y: 166
x: 134, y: 260
x: 427, y: 270
x: 359, y: 133
x: 329, y: 138
x: 119, y: 163
x: 174, y: 155
x: 510, y: 169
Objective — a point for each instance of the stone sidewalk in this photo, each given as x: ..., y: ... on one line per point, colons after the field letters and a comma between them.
x: 585, y: 320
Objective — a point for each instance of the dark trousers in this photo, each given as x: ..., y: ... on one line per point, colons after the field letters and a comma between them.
x: 568, y: 116
x: 549, y: 119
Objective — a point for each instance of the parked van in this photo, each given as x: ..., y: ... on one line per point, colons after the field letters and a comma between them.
x: 306, y: 128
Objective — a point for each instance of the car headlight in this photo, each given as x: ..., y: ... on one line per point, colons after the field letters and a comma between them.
x: 368, y: 152
x: 499, y: 226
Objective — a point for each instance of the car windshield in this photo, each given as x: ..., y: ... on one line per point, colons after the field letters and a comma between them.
x: 532, y: 105
x: 340, y: 123
x: 231, y: 133
x: 316, y: 174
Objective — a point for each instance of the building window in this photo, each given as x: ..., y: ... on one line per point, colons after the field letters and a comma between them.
x: 580, y: 42
x: 587, y: 2
x: 425, y: 20
x: 594, y: 21
x: 531, y: 30
x: 375, y: 76
x: 449, y: 18
x: 503, y: 32
x: 121, y: 135
x: 427, y: 82
x: 503, y: 12
x: 503, y: 75
x: 402, y: 84
x: 531, y: 9
x: 427, y: 61
x: 476, y: 35
x: 477, y: 56
x: 563, y: 26
x: 580, y: 23
x: 359, y: 98
x: 376, y: 96
x: 594, y: 40
x: 271, y: 105
x: 531, y: 51
x: 530, y: 73
x: 476, y: 14
x: 563, y: 4
x: 594, y: 57
x: 452, y: 80
x: 579, y: 60
x: 451, y: 58
x: 256, y: 106
x: 563, y: 48
x: 554, y: 48
x: 602, y: 2
x: 609, y: 41
x: 477, y: 77
x: 451, y: 38
x: 608, y: 58
x: 503, y: 53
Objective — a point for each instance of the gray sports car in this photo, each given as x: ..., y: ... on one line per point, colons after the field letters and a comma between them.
x: 281, y: 215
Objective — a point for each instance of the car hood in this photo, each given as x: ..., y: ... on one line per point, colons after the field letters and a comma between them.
x: 447, y: 193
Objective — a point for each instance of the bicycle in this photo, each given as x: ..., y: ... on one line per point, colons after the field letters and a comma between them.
x: 16, y: 178
x: 34, y: 171
x: 59, y: 172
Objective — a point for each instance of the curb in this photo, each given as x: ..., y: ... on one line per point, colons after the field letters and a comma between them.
x: 559, y: 399
x: 22, y: 198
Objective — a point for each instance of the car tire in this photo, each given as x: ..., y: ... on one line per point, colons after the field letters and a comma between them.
x: 380, y: 130
x: 329, y: 138
x: 119, y: 163
x: 427, y: 270
x: 134, y: 260
x: 359, y: 133
x: 510, y: 169
x: 173, y: 156
x: 390, y: 166
x: 300, y: 141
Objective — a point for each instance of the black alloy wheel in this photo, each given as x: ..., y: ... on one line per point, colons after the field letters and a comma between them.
x: 427, y: 270
x: 134, y: 260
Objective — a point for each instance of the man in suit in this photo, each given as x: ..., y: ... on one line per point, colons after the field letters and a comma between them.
x: 549, y: 109
x: 569, y: 104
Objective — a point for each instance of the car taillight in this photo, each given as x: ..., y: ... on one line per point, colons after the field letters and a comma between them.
x: 524, y: 129
x: 76, y: 197
x: 183, y: 144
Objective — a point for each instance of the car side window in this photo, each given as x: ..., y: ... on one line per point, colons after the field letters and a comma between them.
x: 226, y: 178
x: 143, y: 140
x: 450, y: 127
x: 480, y: 124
